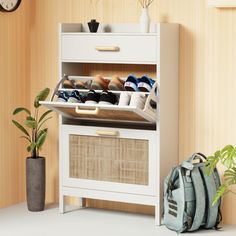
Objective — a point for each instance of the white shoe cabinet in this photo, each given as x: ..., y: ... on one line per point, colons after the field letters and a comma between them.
x: 115, y: 153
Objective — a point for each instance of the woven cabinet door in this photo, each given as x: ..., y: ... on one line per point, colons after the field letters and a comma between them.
x: 119, y: 160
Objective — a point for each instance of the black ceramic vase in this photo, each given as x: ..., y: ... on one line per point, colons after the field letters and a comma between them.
x: 93, y: 26
x: 35, y: 183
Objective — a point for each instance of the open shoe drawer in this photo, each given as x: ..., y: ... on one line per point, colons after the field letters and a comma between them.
x: 100, y: 112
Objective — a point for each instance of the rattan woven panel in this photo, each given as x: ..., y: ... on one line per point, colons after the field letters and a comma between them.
x: 109, y: 159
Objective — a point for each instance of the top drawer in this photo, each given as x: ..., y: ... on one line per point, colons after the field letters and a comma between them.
x: 130, y: 49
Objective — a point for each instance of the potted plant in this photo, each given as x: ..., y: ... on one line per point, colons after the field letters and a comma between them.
x: 35, y: 134
x: 227, y: 157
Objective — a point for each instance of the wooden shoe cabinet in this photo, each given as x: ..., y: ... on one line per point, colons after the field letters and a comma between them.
x: 110, y: 152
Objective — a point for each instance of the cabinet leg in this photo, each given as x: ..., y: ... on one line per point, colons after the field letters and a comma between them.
x: 62, y: 204
x: 158, y: 215
x: 82, y: 202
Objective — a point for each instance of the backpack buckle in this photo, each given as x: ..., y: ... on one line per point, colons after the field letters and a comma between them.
x: 187, y: 175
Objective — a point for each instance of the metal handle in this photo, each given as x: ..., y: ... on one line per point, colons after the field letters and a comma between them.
x: 107, y: 48
x: 107, y: 132
x: 86, y: 112
x: 65, y: 77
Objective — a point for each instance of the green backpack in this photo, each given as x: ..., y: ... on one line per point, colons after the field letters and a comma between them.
x: 188, y: 196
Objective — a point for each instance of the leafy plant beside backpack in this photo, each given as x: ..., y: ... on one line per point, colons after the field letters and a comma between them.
x: 227, y: 157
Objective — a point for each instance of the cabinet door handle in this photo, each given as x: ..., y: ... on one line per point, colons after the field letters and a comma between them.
x: 86, y: 112
x: 107, y: 132
x: 107, y: 48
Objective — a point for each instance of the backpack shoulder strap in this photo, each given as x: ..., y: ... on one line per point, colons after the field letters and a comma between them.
x: 212, y: 184
x: 200, y: 199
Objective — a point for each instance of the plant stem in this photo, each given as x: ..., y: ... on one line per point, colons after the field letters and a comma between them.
x: 34, y: 152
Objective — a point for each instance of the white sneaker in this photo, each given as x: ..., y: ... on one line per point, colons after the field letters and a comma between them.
x: 124, y: 99
x: 138, y: 100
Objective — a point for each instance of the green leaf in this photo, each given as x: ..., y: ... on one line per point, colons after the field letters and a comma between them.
x: 41, y: 140
x: 28, y: 149
x: 230, y: 176
x: 44, y: 115
x: 20, y: 127
x: 228, y: 154
x: 27, y: 138
x: 41, y: 97
x: 31, y: 123
x: 20, y: 109
x: 44, y: 122
x: 30, y: 118
x: 226, y: 148
x: 220, y: 192
x: 31, y: 147
x: 211, y: 163
x: 41, y: 132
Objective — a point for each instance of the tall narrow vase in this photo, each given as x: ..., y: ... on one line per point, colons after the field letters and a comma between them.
x: 144, y: 21
x: 35, y: 183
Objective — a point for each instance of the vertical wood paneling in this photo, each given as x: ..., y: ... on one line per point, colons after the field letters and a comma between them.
x: 15, y: 84
x: 206, y: 76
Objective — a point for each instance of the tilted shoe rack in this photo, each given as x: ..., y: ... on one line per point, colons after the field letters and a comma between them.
x: 110, y: 152
x: 113, y: 113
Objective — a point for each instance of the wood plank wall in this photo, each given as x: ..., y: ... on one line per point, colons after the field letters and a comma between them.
x: 15, y: 85
x: 207, y: 71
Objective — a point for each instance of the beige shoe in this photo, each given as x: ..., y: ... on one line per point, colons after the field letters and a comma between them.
x: 83, y: 84
x: 116, y: 84
x: 68, y: 84
x: 99, y: 83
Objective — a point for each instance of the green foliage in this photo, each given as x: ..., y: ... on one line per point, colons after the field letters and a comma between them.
x: 41, y: 132
x: 37, y: 135
x: 220, y: 192
x: 27, y: 138
x: 20, y: 127
x: 31, y: 147
x: 43, y: 121
x: 30, y: 122
x: 41, y: 97
x: 211, y: 162
x: 230, y: 176
x: 44, y: 115
x: 41, y: 140
x: 227, y: 157
x: 20, y: 109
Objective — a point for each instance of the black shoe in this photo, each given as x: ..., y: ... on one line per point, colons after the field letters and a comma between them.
x: 92, y: 97
x: 107, y: 98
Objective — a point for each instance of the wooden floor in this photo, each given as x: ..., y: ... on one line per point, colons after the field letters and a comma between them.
x: 18, y: 221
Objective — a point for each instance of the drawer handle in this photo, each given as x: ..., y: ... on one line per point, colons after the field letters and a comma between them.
x: 107, y: 48
x: 107, y: 133
x: 86, y: 112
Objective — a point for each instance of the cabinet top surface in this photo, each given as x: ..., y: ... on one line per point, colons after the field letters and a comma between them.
x: 126, y: 29
x: 109, y: 34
